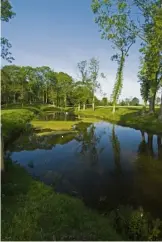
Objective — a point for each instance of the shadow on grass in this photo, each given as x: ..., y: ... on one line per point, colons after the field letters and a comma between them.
x: 32, y: 211
x: 39, y: 130
x: 143, y: 121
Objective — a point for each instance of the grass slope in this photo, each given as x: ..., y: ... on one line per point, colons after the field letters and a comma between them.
x: 131, y: 117
x: 33, y: 211
x: 14, y: 121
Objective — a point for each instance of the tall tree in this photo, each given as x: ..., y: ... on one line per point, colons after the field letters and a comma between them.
x: 113, y: 18
x: 93, y: 82
x: 151, y: 71
x: 6, y: 15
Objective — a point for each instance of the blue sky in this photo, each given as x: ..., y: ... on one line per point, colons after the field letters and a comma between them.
x: 59, y: 34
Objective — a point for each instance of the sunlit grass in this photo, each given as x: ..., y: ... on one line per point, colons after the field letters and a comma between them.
x: 60, y: 125
x: 131, y: 117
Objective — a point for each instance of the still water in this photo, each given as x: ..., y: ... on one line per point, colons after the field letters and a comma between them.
x: 103, y: 164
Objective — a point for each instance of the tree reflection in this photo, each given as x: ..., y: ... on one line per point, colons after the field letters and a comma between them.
x: 159, y: 144
x: 116, y: 149
x: 46, y: 142
x: 146, y: 148
x: 89, y: 141
x: 142, y: 148
x: 150, y: 145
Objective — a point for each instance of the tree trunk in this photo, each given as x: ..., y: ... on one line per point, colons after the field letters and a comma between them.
x: 83, y: 106
x: 2, y: 152
x: 119, y: 80
x: 160, y: 115
x: 93, y: 104
x: 79, y: 107
x: 152, y: 103
x: 145, y: 105
x: 65, y: 100
x: 14, y: 100
x: 143, y: 135
x: 57, y: 99
x: 43, y: 97
x: 113, y: 108
x: 150, y: 144
x: 159, y: 143
x: 46, y: 96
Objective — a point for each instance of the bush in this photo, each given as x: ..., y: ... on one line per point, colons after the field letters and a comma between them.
x: 135, y: 224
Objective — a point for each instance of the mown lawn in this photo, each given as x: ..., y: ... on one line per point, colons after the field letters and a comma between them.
x: 59, y: 126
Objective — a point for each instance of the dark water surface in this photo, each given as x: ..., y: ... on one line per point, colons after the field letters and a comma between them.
x: 103, y: 164
x: 59, y: 116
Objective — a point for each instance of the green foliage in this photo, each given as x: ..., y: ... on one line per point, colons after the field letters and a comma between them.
x: 34, y: 85
x: 113, y: 18
x: 6, y: 11
x: 6, y: 15
x: 150, y: 73
x: 119, y: 82
x: 134, y: 101
x: 14, y: 121
x: 135, y: 224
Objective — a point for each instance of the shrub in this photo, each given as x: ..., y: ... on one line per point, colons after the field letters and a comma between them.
x: 135, y: 224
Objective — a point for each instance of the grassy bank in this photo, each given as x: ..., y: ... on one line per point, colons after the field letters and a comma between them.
x: 33, y: 211
x: 131, y: 117
x: 13, y: 122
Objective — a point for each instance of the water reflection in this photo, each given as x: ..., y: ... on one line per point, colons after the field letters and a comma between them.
x: 45, y: 142
x: 58, y: 116
x: 88, y: 143
x: 159, y: 144
x: 105, y: 164
x: 146, y: 146
x: 116, y: 150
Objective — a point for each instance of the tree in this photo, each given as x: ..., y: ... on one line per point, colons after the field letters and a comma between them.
x: 151, y: 70
x: 158, y: 100
x: 81, y: 94
x: 89, y: 73
x: 104, y: 101
x: 94, y: 73
x: 64, y: 83
x: 116, y: 149
x: 144, y: 83
x: 6, y: 15
x: 113, y: 18
x: 83, y: 71
x: 134, y: 101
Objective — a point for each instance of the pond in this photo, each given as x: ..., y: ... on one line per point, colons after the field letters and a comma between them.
x: 103, y: 164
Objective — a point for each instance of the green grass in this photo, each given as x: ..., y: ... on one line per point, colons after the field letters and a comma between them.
x: 131, y: 117
x: 33, y: 211
x: 46, y: 127
x: 36, y: 108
